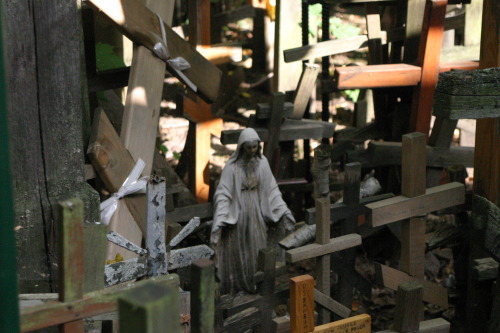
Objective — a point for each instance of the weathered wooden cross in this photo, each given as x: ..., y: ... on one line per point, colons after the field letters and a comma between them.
x: 73, y: 304
x: 415, y: 200
x: 255, y: 311
x: 322, y: 248
x: 407, y: 317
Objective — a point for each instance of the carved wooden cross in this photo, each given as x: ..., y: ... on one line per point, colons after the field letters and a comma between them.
x: 322, y: 248
x: 415, y: 201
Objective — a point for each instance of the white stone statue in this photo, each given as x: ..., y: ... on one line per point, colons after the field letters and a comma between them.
x: 247, y: 204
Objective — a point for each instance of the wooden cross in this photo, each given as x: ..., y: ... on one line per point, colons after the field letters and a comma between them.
x: 414, y: 201
x: 322, y: 248
x: 302, y: 295
x: 75, y: 305
x: 407, y: 318
x: 252, y: 311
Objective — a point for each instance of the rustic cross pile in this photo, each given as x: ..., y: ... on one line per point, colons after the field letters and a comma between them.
x: 407, y: 316
x: 74, y: 305
x: 415, y: 201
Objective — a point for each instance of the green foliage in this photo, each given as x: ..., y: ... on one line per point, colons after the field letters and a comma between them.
x: 106, y: 58
x: 342, y: 29
x: 314, y: 18
x: 352, y: 94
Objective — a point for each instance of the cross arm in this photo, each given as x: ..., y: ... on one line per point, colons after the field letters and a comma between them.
x: 315, y: 250
x: 400, y: 208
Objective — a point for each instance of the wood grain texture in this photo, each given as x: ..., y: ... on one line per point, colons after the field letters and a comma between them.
x: 428, y: 58
x: 377, y: 76
x: 413, y: 165
x: 302, y: 304
x: 323, y: 263
x: 307, y: 83
x: 413, y: 247
x: 92, y: 304
x: 409, y: 307
x: 71, y: 254
x: 438, y: 325
x: 392, y: 278
x: 328, y: 303
x: 325, y: 48
x: 315, y: 250
x: 357, y: 324
x: 202, y: 296
x: 400, y: 208
x: 141, y: 25
x: 150, y: 308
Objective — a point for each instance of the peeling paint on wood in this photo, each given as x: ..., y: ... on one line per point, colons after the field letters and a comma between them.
x: 119, y: 240
x: 124, y: 271
x: 155, y: 229
x: 184, y: 257
x: 186, y: 231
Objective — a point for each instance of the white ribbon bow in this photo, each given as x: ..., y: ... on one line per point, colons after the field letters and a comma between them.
x: 133, y: 184
x: 178, y: 64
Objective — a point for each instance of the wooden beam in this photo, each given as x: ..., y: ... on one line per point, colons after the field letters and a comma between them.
x: 307, y: 83
x: 202, y: 296
x: 428, y: 58
x: 438, y: 325
x: 141, y: 25
x: 302, y: 304
x: 392, y: 278
x: 400, y: 208
x: 71, y: 257
x: 314, y: 250
x: 358, y: 324
x: 377, y: 76
x: 150, y: 308
x: 290, y: 130
x: 92, y: 304
x: 409, y: 307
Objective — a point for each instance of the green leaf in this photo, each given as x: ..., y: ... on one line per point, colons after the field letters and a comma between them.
x: 106, y: 58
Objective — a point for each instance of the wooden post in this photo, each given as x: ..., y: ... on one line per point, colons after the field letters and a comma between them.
x: 71, y: 257
x: 409, y: 307
x: 323, y: 262
x: 202, y: 296
x: 155, y: 234
x: 278, y: 99
x: 302, y: 304
x: 412, y: 185
x: 150, y: 309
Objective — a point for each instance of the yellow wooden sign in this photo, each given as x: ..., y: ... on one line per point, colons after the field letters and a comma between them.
x: 357, y: 324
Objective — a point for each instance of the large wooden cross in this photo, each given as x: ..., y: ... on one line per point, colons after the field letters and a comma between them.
x: 415, y: 200
x: 321, y: 249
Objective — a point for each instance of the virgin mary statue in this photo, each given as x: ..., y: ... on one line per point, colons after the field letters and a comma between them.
x: 247, y: 203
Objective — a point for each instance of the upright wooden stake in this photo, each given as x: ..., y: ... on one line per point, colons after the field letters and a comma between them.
x: 409, y: 307
x: 71, y: 256
x: 202, y: 296
x: 323, y: 263
x: 413, y: 184
x: 302, y: 302
x: 155, y: 232
x: 150, y: 309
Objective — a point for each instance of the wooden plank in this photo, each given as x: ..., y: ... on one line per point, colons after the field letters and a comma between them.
x: 409, y: 307
x: 463, y: 65
x: 149, y: 309
x: 325, y: 48
x: 438, y: 325
x: 94, y: 238
x: 400, y: 208
x: 243, y: 321
x: 183, y: 214
x: 357, y: 324
x: 234, y: 15
x: 428, y: 58
x: 486, y: 225
x: 221, y: 54
x: 274, y: 125
x: 185, y: 256
x: 392, y: 278
x: 142, y: 26
x: 413, y: 166
x: 302, y: 304
x: 92, y: 304
x: 263, y: 110
x: 290, y: 130
x: 124, y: 271
x: 307, y: 83
x: 155, y: 232
x: 323, y: 263
x: 202, y: 296
x: 314, y: 250
x: 113, y: 163
x: 71, y: 256
x: 331, y: 304
x: 377, y: 76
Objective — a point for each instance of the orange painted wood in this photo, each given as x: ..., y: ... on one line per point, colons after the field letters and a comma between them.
x: 357, y: 324
x: 429, y: 54
x: 302, y: 304
x: 463, y: 65
x: 377, y: 76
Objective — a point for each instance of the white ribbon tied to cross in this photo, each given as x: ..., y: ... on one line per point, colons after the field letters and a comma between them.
x: 178, y: 64
x: 133, y: 184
